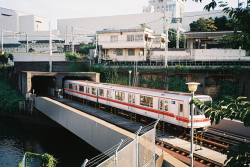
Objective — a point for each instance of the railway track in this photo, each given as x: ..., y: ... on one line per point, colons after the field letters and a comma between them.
x: 212, y: 139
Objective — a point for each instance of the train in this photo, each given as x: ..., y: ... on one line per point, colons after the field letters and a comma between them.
x: 168, y: 106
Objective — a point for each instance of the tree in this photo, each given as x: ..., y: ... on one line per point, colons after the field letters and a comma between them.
x: 233, y: 109
x: 144, y: 25
x: 222, y: 23
x: 203, y: 25
x: 239, y: 21
x: 172, y: 37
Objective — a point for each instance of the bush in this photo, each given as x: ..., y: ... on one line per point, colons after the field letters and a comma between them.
x: 185, y: 68
x: 72, y: 56
x: 31, y: 50
x: 73, y: 67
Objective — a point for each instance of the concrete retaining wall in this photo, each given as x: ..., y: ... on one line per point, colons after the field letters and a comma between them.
x: 94, y: 131
x: 33, y: 56
x: 233, y: 126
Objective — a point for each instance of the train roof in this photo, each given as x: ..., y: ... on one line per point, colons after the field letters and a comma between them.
x: 140, y: 89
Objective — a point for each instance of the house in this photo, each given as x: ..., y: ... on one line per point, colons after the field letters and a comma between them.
x: 125, y: 44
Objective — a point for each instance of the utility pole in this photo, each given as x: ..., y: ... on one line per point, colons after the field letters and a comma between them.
x: 166, y: 42
x: 72, y: 41
x: 27, y: 49
x: 95, y: 45
x: 178, y: 37
x: 2, y: 40
x: 50, y: 48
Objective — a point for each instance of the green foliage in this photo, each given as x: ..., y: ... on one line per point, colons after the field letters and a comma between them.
x: 222, y: 24
x: 237, y: 69
x: 46, y: 159
x: 177, y: 67
x: 9, y: 97
x: 72, y: 56
x: 172, y: 36
x: 237, y: 155
x: 151, y: 83
x: 144, y: 25
x: 185, y: 68
x: 85, y: 49
x: 207, y: 68
x: 229, y: 88
x: 31, y: 50
x: 177, y: 84
x: 203, y: 25
x: 6, y: 56
x: 209, y: 83
x: 46, y: 67
x: 73, y: 67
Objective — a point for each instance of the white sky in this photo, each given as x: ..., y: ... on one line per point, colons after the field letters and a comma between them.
x: 63, y: 9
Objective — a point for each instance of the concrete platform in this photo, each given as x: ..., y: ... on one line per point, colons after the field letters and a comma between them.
x: 205, y: 152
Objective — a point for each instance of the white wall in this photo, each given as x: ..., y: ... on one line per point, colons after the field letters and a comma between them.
x: 24, y: 56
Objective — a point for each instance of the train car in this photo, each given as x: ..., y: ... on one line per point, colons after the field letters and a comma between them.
x: 168, y: 106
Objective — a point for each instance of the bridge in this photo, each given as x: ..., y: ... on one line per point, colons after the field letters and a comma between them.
x: 99, y: 133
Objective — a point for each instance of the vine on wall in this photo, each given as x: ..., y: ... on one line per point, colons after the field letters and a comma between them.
x: 177, y: 84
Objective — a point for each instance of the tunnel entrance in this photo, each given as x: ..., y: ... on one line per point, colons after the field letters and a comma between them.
x: 40, y: 84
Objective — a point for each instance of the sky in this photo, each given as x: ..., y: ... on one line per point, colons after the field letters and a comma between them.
x: 64, y: 9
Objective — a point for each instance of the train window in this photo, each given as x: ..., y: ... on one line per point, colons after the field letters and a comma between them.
x: 66, y: 85
x: 70, y: 86
x: 181, y: 107
x: 75, y: 87
x: 166, y: 105
x: 198, y: 110
x: 109, y: 94
x: 101, y: 92
x: 131, y: 98
x: 94, y: 91
x: 81, y: 88
x: 119, y: 95
x: 87, y: 90
x: 146, y: 101
x: 161, y: 104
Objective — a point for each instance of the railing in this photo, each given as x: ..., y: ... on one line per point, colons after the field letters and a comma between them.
x: 137, y: 152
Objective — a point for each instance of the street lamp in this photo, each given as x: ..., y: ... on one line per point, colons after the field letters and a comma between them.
x: 129, y: 76
x: 192, y: 86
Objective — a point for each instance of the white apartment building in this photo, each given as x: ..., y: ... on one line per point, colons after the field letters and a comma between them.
x: 18, y: 26
x: 125, y: 44
x: 177, y: 7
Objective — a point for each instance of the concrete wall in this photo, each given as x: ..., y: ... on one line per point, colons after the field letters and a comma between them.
x: 233, y: 126
x: 32, y: 56
x: 94, y: 131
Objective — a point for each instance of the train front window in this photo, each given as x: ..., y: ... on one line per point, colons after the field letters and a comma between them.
x: 146, y: 101
x: 198, y: 110
x: 70, y: 86
x: 101, y: 92
x: 94, y: 91
x: 81, y: 88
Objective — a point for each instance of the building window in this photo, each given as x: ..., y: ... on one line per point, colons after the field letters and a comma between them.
x: 130, y: 37
x: 131, y: 98
x: 119, y: 52
x: 146, y: 101
x: 81, y: 88
x: 101, y: 92
x: 114, y: 38
x: 149, y: 2
x: 157, y: 40
x: 70, y: 86
x: 131, y: 52
x: 158, y: 7
x: 162, y: 7
x: 160, y: 1
x: 139, y: 37
x: 119, y: 95
x: 153, y: 1
x: 93, y: 91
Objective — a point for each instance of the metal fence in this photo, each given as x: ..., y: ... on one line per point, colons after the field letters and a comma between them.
x: 137, y: 152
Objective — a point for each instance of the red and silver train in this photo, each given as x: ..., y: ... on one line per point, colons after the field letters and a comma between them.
x: 170, y: 107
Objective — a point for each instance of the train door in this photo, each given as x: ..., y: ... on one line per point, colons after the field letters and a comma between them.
x: 160, y: 108
x: 108, y: 97
x: 180, y: 111
x: 131, y: 100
